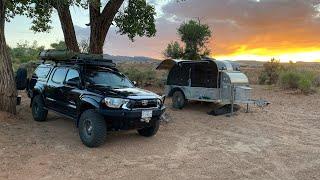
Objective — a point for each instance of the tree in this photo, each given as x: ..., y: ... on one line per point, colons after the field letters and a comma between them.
x: 174, y: 51
x: 8, y: 92
x: 40, y: 12
x: 137, y: 19
x: 195, y: 36
x: 61, y: 45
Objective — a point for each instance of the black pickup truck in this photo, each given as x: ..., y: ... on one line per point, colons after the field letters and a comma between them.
x: 95, y: 95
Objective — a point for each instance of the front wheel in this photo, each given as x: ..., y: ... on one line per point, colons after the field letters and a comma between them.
x: 39, y: 112
x: 150, y: 130
x: 92, y: 129
x: 178, y: 100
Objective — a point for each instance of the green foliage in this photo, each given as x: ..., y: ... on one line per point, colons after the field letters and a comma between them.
x: 195, y: 36
x: 174, y: 51
x: 143, y: 76
x: 40, y: 11
x: 289, y: 79
x: 137, y: 19
x: 294, y: 79
x: 270, y: 72
x: 61, y: 45
x: 16, y: 7
x: 25, y: 52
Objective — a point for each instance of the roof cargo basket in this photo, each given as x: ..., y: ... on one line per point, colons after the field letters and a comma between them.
x: 69, y: 57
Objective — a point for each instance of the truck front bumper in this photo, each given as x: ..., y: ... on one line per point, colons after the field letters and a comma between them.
x: 124, y: 119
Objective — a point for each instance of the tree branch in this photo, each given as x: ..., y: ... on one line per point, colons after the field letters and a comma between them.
x: 110, y: 10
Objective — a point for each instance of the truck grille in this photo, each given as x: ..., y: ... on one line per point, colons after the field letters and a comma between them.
x: 140, y: 104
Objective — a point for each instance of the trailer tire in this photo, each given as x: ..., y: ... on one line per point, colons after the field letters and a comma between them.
x: 178, y: 100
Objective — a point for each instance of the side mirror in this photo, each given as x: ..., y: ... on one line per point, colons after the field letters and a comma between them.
x: 72, y: 83
x: 134, y: 83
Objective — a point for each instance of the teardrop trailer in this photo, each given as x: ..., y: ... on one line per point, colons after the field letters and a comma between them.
x: 206, y: 80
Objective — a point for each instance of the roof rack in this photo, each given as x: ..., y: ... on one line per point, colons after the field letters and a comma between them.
x: 72, y: 58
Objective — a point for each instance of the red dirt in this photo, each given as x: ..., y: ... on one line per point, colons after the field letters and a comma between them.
x: 281, y: 141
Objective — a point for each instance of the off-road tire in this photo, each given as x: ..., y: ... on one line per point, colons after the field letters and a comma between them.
x: 178, y: 100
x: 92, y: 129
x: 39, y: 112
x: 150, y: 130
x: 21, y: 79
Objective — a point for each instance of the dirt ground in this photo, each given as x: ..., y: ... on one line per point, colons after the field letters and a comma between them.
x: 281, y: 141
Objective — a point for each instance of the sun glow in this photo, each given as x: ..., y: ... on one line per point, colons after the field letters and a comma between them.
x: 262, y: 54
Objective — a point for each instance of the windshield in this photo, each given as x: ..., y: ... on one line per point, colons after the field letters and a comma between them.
x: 108, y: 79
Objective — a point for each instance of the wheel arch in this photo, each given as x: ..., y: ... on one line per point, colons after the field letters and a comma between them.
x: 36, y: 92
x: 173, y: 90
x: 86, y: 104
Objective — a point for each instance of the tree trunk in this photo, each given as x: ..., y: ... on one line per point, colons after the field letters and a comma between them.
x: 97, y: 37
x: 100, y: 23
x: 67, y: 27
x: 8, y: 92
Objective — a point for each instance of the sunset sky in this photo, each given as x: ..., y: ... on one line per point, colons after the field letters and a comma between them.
x: 242, y: 29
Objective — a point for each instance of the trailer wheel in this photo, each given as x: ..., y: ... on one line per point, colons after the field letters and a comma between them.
x: 178, y: 100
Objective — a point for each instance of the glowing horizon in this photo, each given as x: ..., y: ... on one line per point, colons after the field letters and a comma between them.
x: 262, y: 54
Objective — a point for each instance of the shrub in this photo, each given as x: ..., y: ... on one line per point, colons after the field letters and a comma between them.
x: 142, y: 77
x: 289, y: 79
x: 316, y: 81
x: 293, y: 79
x: 270, y: 72
x: 306, y: 82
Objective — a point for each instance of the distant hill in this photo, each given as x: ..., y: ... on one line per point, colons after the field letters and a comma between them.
x: 129, y: 59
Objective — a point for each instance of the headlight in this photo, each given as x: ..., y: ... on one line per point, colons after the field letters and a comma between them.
x: 115, y: 102
x: 160, y: 101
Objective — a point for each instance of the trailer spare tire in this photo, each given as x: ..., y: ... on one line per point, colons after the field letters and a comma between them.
x: 21, y: 78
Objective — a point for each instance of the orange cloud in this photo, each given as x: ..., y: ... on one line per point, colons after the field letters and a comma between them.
x: 258, y: 30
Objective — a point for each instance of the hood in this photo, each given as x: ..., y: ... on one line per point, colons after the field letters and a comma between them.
x: 130, y: 93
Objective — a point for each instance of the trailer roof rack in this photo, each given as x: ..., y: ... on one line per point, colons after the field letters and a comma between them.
x: 69, y: 57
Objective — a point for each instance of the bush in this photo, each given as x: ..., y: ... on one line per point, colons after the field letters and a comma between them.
x: 142, y: 77
x: 293, y: 79
x: 316, y: 81
x: 306, y: 82
x: 289, y: 79
x: 270, y: 72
